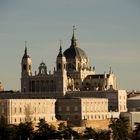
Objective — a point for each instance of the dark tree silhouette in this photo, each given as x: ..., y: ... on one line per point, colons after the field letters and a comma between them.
x: 67, y: 132
x: 45, y: 131
x: 136, y: 132
x: 119, y: 128
x: 25, y: 131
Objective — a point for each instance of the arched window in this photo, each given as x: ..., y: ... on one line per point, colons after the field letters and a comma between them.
x: 59, y: 66
x: 24, y: 67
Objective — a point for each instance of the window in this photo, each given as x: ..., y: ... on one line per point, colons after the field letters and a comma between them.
x: 76, y: 117
x: 59, y: 66
x: 24, y: 67
x: 59, y: 108
x: 76, y: 108
x: 20, y: 109
x: 68, y: 108
x: 2, y: 110
x: 15, y: 110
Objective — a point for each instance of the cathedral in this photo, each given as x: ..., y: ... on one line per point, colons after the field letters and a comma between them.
x: 72, y: 93
x: 71, y: 73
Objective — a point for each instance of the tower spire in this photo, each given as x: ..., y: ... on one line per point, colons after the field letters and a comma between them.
x: 73, y: 40
x: 25, y: 51
x: 25, y: 48
x: 60, y: 50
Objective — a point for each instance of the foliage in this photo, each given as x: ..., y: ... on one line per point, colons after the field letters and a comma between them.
x: 67, y: 132
x: 45, y: 131
x: 136, y: 132
x: 89, y: 133
x: 3, y: 127
x: 11, y: 132
x: 97, y: 135
x: 25, y: 131
x: 119, y: 128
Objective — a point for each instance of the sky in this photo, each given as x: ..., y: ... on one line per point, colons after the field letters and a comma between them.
x: 107, y: 30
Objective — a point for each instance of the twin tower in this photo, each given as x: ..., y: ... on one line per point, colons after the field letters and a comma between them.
x: 71, y: 73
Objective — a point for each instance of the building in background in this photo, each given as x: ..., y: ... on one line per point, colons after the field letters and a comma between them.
x: 132, y: 117
x: 134, y: 103
x: 73, y: 92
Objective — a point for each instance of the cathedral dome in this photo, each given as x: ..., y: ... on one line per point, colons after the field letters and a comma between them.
x: 74, y: 52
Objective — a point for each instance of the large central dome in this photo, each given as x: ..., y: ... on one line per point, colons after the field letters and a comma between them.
x: 74, y: 52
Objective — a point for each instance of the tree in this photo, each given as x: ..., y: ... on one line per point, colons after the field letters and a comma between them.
x: 45, y: 131
x: 3, y: 127
x: 102, y: 135
x: 25, y: 131
x: 67, y: 132
x: 119, y: 128
x: 136, y: 132
x: 89, y: 133
x: 11, y: 132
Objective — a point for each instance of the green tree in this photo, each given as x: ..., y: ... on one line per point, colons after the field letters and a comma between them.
x: 3, y: 128
x: 11, y: 132
x: 136, y: 132
x: 89, y: 133
x: 119, y: 128
x: 45, y: 131
x: 67, y: 132
x: 25, y: 131
x: 102, y: 135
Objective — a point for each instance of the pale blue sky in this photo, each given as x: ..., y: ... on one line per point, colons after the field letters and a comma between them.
x: 108, y: 31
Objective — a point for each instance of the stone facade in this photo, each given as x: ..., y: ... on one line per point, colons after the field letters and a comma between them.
x: 74, y: 110
x: 21, y: 110
x: 117, y: 99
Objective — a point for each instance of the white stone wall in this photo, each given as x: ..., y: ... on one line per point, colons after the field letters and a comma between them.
x: 122, y: 100
x: 21, y: 110
x: 94, y: 108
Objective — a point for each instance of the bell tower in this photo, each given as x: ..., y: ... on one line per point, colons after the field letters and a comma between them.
x: 26, y: 70
x: 61, y: 73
